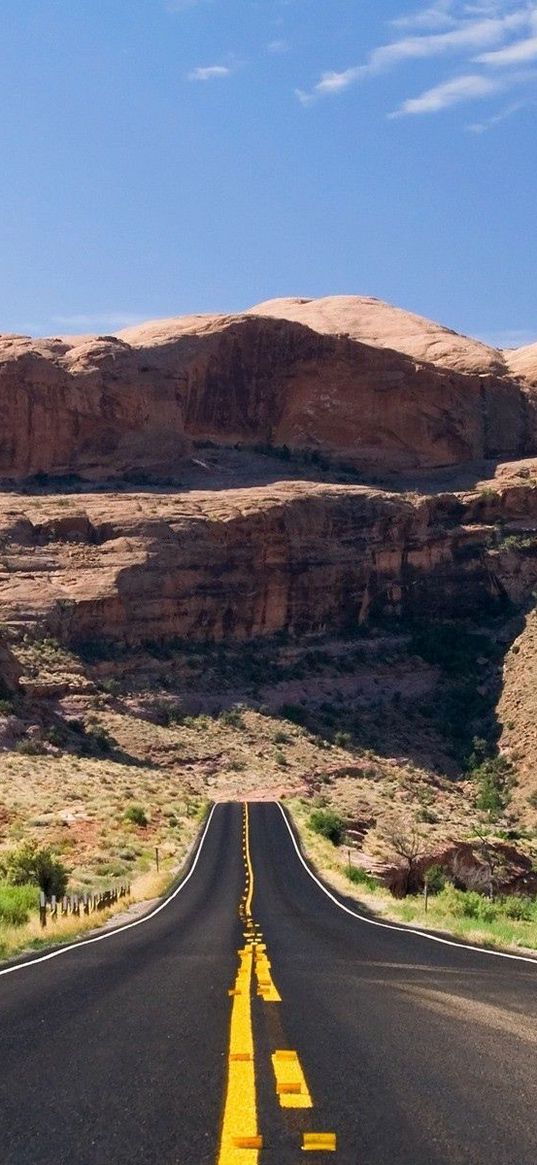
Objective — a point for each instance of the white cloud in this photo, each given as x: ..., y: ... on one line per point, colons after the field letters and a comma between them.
x: 518, y: 53
x: 209, y: 73
x: 434, y: 16
x: 449, y: 93
x: 467, y: 36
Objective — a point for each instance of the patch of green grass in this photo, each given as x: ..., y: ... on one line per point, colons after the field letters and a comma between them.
x: 360, y: 877
x: 16, y: 903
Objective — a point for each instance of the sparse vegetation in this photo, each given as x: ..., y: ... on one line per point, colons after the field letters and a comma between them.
x: 35, y: 864
x: 16, y: 903
x: 136, y: 815
x: 360, y: 877
x: 329, y: 824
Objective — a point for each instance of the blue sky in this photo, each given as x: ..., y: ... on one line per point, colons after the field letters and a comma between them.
x: 161, y: 157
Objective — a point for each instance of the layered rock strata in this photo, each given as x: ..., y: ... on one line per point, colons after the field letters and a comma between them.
x: 299, y: 557
x: 330, y: 379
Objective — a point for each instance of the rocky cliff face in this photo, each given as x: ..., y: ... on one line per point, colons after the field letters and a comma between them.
x: 328, y: 379
x: 299, y: 557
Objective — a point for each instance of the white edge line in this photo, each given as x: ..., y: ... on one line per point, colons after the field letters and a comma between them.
x: 98, y: 938
x: 433, y: 938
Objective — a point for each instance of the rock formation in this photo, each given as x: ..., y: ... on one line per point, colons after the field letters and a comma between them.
x: 354, y: 379
x: 296, y: 556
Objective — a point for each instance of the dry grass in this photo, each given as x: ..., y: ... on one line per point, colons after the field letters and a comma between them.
x: 144, y: 888
x: 331, y: 862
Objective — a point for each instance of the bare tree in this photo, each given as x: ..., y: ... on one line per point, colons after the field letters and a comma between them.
x: 495, y: 864
x: 407, y: 843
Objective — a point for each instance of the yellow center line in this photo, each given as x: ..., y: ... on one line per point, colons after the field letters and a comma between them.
x: 249, y: 867
x: 240, y: 1141
x: 291, y: 1087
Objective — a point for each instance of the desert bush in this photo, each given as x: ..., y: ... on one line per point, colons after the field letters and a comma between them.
x: 360, y: 877
x: 436, y: 878
x: 428, y: 816
x: 494, y: 778
x: 329, y: 824
x: 136, y: 815
x: 16, y: 902
x: 35, y: 864
x: 232, y: 718
x: 30, y: 748
x: 98, y: 741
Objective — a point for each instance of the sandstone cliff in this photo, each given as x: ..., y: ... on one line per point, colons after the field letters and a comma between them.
x: 233, y: 565
x: 370, y: 386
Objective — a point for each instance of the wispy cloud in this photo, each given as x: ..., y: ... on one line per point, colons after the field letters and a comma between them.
x: 480, y: 127
x: 468, y: 36
x: 519, y: 53
x: 209, y: 73
x: 278, y: 46
x: 490, y: 42
x: 435, y: 16
x: 98, y: 321
x: 449, y: 93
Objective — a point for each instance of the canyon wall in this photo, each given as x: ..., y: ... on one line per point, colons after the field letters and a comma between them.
x: 295, y: 557
x: 101, y: 407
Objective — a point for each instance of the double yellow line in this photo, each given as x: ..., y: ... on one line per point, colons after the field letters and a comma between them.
x: 241, y: 1141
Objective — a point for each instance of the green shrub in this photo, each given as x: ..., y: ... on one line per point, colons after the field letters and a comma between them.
x: 16, y: 902
x: 329, y: 824
x: 342, y: 739
x: 436, y: 878
x: 136, y: 815
x: 468, y: 904
x: 520, y: 908
x: 428, y: 816
x: 360, y: 877
x: 37, y: 864
x: 232, y: 718
x: 30, y: 748
x: 98, y: 741
x: 494, y: 778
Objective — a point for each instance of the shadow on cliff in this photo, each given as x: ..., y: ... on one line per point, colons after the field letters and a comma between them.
x: 218, y: 468
x: 438, y: 727
x: 419, y: 690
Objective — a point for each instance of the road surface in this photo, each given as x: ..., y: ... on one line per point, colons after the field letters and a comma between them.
x: 158, y: 1044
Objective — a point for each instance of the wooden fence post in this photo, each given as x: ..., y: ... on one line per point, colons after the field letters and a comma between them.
x: 42, y: 909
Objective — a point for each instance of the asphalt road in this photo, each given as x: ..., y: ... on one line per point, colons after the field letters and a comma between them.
x: 412, y: 1052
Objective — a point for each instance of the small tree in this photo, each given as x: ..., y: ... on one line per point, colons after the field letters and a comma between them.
x: 38, y: 864
x: 408, y: 845
x: 495, y: 867
x: 494, y: 779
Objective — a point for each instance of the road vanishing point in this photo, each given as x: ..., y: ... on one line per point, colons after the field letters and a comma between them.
x: 254, y: 1017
